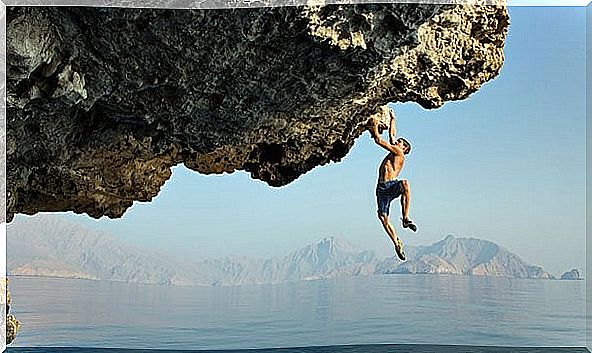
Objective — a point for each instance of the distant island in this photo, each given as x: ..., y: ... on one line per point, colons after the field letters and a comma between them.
x: 573, y: 274
x: 50, y: 246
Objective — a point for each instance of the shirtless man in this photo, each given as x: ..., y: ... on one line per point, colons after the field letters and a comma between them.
x: 389, y: 187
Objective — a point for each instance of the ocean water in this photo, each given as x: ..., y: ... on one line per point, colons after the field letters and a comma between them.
x: 400, y: 313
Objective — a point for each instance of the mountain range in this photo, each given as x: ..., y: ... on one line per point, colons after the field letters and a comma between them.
x: 51, y: 246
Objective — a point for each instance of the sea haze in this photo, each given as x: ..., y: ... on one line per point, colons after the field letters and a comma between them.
x: 52, y: 247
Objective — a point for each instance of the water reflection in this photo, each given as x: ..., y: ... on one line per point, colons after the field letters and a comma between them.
x: 360, y: 310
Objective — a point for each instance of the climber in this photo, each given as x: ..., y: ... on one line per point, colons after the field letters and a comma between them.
x: 389, y: 187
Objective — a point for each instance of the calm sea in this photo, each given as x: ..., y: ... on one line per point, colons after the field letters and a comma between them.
x: 395, y: 309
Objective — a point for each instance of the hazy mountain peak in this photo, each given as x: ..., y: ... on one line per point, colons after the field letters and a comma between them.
x: 464, y: 256
x: 334, y: 245
x: 52, y: 246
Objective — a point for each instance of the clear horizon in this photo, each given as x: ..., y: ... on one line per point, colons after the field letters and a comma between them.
x: 506, y: 165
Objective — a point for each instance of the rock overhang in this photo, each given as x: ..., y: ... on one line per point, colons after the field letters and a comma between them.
x: 102, y: 102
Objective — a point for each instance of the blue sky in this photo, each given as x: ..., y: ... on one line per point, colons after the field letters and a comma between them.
x: 507, y: 164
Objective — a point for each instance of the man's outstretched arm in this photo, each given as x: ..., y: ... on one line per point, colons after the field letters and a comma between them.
x: 392, y: 128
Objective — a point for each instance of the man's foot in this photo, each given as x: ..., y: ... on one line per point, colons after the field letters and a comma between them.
x: 399, y: 249
x: 407, y: 223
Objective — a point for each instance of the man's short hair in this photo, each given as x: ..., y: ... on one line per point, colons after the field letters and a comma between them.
x: 406, y: 144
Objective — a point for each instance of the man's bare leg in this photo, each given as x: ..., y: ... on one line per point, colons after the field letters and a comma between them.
x: 390, y: 230
x: 405, y: 201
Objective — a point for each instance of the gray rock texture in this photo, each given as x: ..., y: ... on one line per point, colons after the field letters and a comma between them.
x: 103, y: 101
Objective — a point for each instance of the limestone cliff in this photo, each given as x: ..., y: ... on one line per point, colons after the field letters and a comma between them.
x: 103, y: 101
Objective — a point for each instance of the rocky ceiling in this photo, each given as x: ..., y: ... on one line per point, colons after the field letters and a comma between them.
x: 102, y: 102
